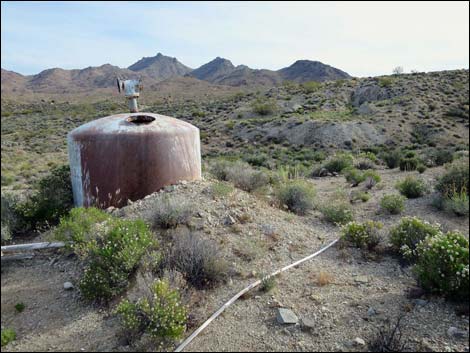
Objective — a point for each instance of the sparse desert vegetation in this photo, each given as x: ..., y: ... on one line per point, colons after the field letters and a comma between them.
x: 287, y: 169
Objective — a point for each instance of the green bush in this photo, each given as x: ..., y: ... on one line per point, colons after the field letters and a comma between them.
x: 393, y: 204
x: 8, y: 335
x: 19, y: 307
x: 409, y: 163
x: 354, y: 176
x: 337, y: 212
x: 411, y: 231
x: 442, y: 156
x: 455, y: 179
x: 297, y: 195
x: 385, y: 81
x: 51, y: 200
x: 363, y: 235
x: 221, y: 189
x: 110, y: 248
x: 421, y: 168
x: 162, y: 315
x: 372, y: 178
x: 392, y: 158
x: 411, y: 187
x: 264, y: 106
x: 339, y: 162
x: 457, y: 203
x: 199, y: 260
x: 218, y: 169
x: 311, y: 86
x: 443, y: 266
x: 169, y: 212
x: 267, y: 284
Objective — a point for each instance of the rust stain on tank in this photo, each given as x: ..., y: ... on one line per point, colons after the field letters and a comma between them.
x: 129, y: 156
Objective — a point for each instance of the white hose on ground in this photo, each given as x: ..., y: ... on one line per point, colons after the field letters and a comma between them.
x: 243, y: 291
x: 33, y: 246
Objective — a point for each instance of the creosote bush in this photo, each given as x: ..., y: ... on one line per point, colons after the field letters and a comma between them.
x: 393, y: 204
x: 457, y: 203
x: 337, y: 211
x: 411, y: 231
x: 339, y: 162
x: 297, y: 196
x: 443, y: 264
x: 162, y: 315
x: 456, y: 178
x: 392, y: 158
x: 199, y: 260
x: 363, y: 235
x: 409, y: 163
x: 411, y: 187
x: 170, y: 211
x: 110, y: 249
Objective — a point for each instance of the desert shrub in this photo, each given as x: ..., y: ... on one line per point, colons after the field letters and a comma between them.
x: 218, y: 169
x: 264, y: 106
x: 385, y: 81
x: 456, y: 178
x: 297, y: 195
x: 19, y: 307
x: 311, y: 86
x: 8, y: 335
x: 392, y: 158
x: 246, y: 178
x: 221, y: 189
x: 389, y: 338
x: 162, y: 315
x: 372, y: 178
x: 364, y: 163
x: 110, y: 249
x: 363, y: 235
x: 393, y: 204
x: 456, y: 203
x: 421, y: 168
x: 411, y: 187
x: 409, y: 163
x: 169, y: 212
x: 337, y: 212
x: 442, y: 265
x: 411, y: 231
x: 199, y: 260
x: 338, y: 162
x: 354, y: 176
x: 359, y: 195
x: 51, y: 199
x: 442, y: 156
x: 267, y: 284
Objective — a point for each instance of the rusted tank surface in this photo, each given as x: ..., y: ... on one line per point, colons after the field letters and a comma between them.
x: 128, y: 156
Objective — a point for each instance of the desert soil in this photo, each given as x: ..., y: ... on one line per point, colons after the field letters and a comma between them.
x: 57, y: 320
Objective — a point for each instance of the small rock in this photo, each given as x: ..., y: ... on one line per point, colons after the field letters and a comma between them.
x: 229, y: 220
x: 110, y: 209
x: 456, y: 333
x: 307, y: 325
x: 68, y: 285
x: 358, y: 342
x: 415, y: 293
x: 285, y: 316
x: 419, y: 302
x: 361, y: 279
x: 371, y: 312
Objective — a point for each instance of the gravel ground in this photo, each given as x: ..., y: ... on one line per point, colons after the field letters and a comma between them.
x: 363, y: 293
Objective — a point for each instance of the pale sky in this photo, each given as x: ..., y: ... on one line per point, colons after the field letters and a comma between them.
x: 361, y: 38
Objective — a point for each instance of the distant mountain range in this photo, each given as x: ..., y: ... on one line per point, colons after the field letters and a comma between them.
x: 159, y: 68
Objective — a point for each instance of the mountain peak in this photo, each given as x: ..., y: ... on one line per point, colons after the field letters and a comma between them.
x: 309, y: 70
x: 160, y: 67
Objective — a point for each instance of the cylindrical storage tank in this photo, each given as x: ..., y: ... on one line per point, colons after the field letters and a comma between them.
x: 129, y: 156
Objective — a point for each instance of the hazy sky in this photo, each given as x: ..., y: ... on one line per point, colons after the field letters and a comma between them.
x: 361, y: 38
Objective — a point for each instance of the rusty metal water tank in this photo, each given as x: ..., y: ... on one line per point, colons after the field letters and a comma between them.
x: 128, y: 156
